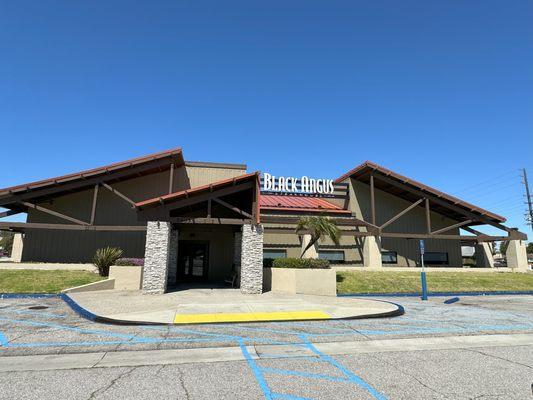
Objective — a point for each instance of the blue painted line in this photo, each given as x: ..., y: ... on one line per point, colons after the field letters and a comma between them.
x: 256, y: 371
x: 98, y: 343
x: 302, y: 374
x: 452, y: 300
x: 77, y: 308
x: 288, y: 397
x: 27, y: 295
x: 3, y: 340
x: 440, y: 294
x: 351, y: 376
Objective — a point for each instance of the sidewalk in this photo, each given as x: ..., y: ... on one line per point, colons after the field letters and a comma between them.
x: 226, y: 305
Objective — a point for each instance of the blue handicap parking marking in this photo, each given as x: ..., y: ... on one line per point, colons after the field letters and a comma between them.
x: 452, y: 300
x: 431, y: 319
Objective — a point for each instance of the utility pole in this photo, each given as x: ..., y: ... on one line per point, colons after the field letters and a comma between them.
x: 529, y: 218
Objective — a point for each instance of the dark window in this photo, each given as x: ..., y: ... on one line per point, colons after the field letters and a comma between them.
x: 333, y: 256
x: 273, y: 254
x: 436, y: 258
x: 389, y: 257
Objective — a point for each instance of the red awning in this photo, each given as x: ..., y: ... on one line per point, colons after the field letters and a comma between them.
x: 299, y: 203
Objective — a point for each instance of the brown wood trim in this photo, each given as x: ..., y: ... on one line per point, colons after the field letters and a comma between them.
x: 233, y: 208
x: 211, y: 221
x: 93, y: 208
x: 203, y: 164
x: 514, y: 234
x: 68, y: 185
x: 27, y: 225
x: 402, y: 213
x: 171, y: 178
x: 116, y: 192
x: 54, y: 213
x: 428, y: 216
x: 459, y: 224
x: 161, y: 211
x: 372, y: 200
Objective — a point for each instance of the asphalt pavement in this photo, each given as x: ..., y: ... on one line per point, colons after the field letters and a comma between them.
x: 473, y: 348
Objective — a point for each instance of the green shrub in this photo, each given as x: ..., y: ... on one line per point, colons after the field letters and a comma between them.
x: 300, y: 263
x: 267, y: 262
x: 106, y: 257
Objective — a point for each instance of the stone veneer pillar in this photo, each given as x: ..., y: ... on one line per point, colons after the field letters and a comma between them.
x: 173, y: 257
x: 156, y: 257
x: 484, y: 257
x: 517, y: 255
x: 252, y: 259
x: 372, y: 252
x: 237, y: 246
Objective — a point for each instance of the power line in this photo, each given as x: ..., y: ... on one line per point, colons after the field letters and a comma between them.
x: 489, y: 181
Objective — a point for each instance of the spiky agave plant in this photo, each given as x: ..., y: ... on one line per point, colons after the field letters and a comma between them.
x: 319, y: 228
x: 106, y: 257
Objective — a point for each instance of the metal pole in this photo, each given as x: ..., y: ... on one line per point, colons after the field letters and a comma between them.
x: 423, y: 272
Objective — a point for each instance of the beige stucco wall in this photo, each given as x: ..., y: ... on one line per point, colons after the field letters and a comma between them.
x: 79, y: 246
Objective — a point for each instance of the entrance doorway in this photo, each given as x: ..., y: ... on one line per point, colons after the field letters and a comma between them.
x: 192, y: 261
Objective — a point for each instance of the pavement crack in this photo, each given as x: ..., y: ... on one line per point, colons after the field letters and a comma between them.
x: 100, y: 359
x: 411, y: 376
x: 182, y: 384
x: 105, y: 388
x: 499, y: 358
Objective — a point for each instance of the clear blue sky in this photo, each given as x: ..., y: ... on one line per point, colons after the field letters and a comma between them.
x: 439, y: 91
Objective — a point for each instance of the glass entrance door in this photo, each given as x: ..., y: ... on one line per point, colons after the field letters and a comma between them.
x: 192, y: 260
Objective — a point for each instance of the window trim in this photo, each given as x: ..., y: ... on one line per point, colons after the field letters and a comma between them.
x: 284, y: 251
x: 390, y: 262
x: 447, y: 262
x: 343, y: 261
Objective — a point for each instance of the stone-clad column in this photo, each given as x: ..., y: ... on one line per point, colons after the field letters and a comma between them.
x: 237, y: 246
x: 156, y: 257
x: 372, y: 252
x: 516, y: 255
x: 252, y: 259
x: 173, y: 257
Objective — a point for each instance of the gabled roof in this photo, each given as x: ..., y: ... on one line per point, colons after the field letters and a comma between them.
x: 169, y: 198
x: 362, y: 173
x: 299, y: 203
x: 123, y: 166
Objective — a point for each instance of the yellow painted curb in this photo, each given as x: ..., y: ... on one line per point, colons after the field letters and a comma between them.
x: 249, y: 317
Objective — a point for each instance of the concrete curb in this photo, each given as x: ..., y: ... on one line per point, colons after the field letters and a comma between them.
x: 83, y: 312
x: 116, y: 359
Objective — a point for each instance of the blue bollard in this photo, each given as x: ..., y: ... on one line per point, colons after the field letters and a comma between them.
x: 424, y: 285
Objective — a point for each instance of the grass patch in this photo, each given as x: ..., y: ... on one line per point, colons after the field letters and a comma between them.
x: 409, y: 282
x: 36, y: 281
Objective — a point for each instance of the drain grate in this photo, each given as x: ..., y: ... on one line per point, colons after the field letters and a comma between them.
x: 38, y: 307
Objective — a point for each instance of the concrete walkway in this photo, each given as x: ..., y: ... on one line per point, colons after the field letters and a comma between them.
x: 225, y: 305
x: 222, y: 354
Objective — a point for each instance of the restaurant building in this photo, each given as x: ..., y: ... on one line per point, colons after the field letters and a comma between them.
x: 205, y: 221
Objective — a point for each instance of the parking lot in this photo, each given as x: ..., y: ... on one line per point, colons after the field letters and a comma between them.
x: 291, y: 360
